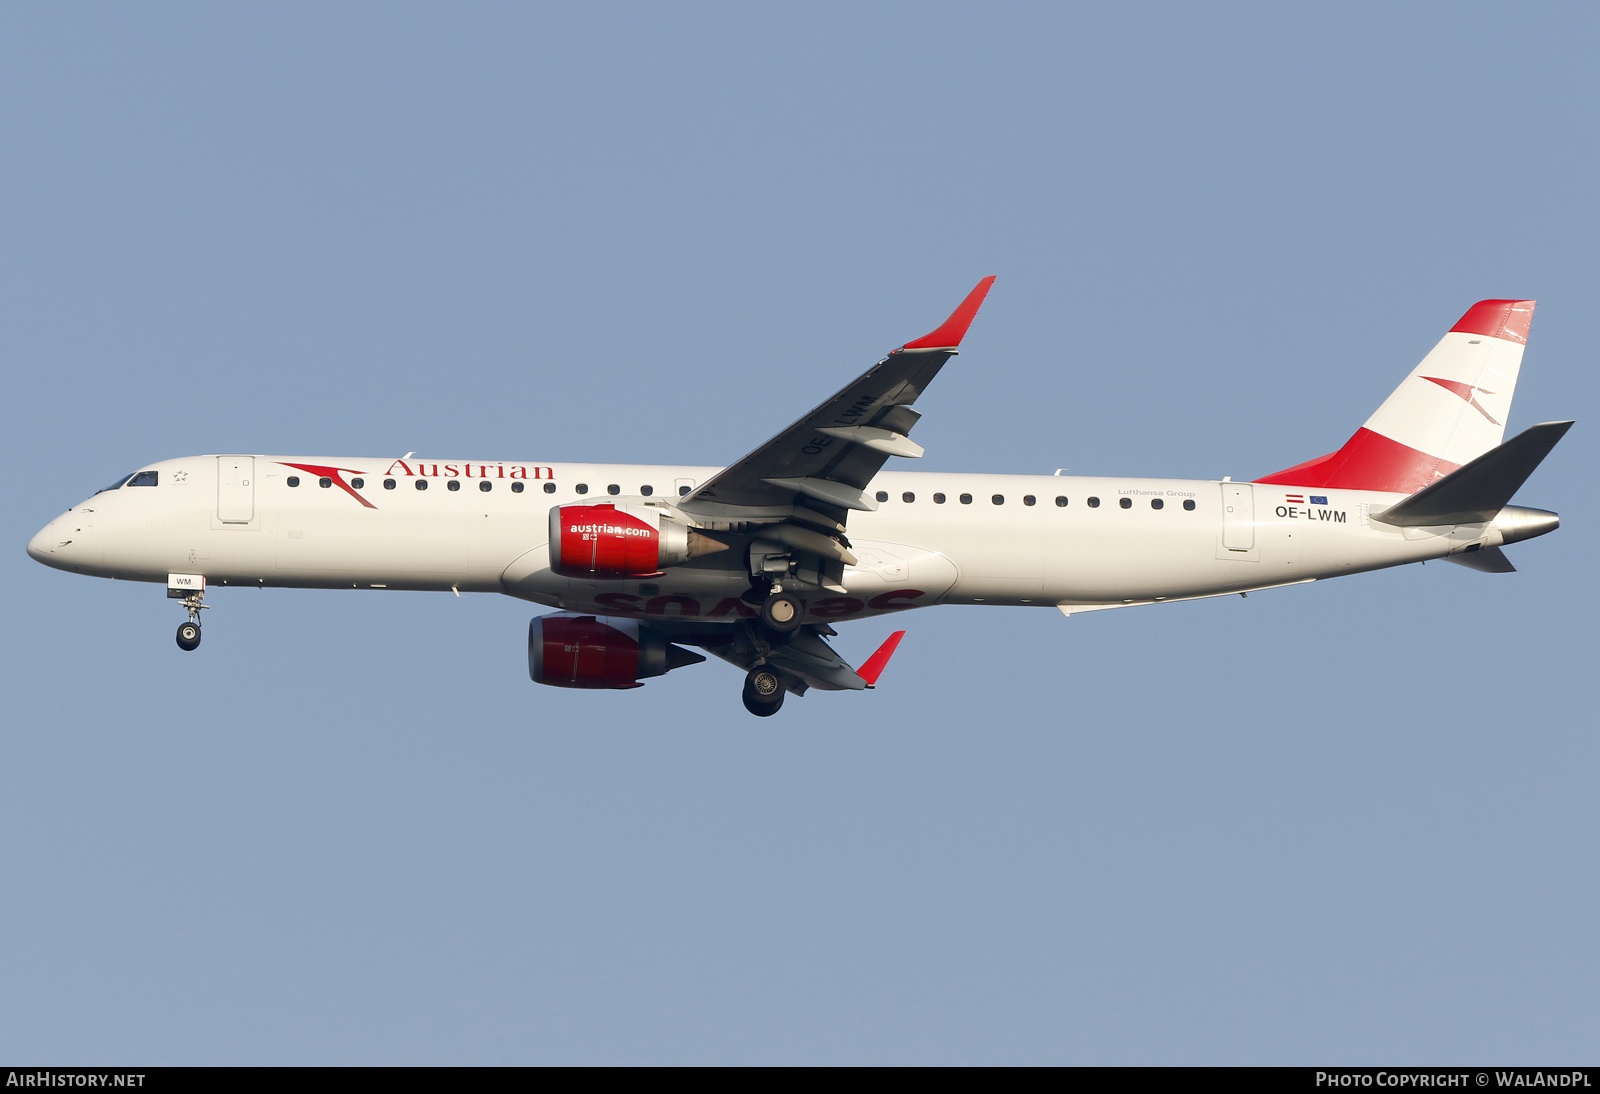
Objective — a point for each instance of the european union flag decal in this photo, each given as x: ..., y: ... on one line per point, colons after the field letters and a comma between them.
x: 1319, y: 499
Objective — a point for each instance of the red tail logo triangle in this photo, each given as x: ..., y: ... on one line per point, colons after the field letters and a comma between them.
x: 1463, y: 391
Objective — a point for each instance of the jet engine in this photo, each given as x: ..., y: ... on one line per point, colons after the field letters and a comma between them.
x: 612, y: 540
x: 569, y: 650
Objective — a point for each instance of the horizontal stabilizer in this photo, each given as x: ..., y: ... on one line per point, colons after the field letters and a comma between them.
x: 1475, y: 492
x: 1489, y: 560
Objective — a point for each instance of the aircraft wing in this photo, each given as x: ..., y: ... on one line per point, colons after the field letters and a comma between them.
x: 806, y: 661
x: 823, y: 462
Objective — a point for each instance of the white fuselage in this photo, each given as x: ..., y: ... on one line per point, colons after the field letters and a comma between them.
x: 238, y: 521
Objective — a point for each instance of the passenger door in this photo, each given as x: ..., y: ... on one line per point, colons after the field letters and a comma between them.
x: 236, y: 489
x: 1238, y: 521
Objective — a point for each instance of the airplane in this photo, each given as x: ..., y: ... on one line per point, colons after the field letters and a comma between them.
x: 757, y: 562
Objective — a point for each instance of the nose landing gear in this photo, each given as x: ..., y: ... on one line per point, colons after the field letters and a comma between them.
x: 191, y: 589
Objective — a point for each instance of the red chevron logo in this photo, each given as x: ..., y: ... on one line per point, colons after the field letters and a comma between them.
x: 1464, y: 392
x: 333, y: 473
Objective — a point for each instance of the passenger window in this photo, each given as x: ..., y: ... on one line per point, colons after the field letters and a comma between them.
x: 144, y: 478
x: 453, y: 484
x: 1156, y: 503
x: 883, y: 495
x: 325, y: 482
x: 999, y: 499
x: 683, y: 491
x: 1094, y: 503
x: 388, y: 484
x: 1126, y: 503
x: 1188, y: 503
x: 582, y: 488
x: 938, y: 499
x: 549, y: 488
x: 646, y: 491
x: 1028, y: 499
x: 908, y: 497
x: 292, y: 480
x: 358, y: 483
x: 516, y: 488
x: 1061, y: 503
x: 613, y: 489
x: 422, y: 484
x: 486, y: 486
x: 966, y: 499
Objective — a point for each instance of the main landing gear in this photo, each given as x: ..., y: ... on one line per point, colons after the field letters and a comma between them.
x: 763, y: 692
x: 189, y: 632
x: 781, y: 613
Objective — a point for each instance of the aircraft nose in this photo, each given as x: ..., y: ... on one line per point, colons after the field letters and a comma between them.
x: 68, y: 543
x: 39, y: 546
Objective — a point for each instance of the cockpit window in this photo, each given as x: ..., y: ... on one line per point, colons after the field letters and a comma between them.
x: 114, y: 486
x: 144, y: 478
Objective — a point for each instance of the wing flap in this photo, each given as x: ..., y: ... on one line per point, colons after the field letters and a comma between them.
x: 828, y: 491
x: 886, y: 441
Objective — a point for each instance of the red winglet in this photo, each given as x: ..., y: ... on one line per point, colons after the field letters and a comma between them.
x: 873, y: 668
x: 1508, y: 319
x: 955, y: 328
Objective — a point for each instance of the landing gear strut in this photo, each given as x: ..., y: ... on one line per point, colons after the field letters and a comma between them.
x: 189, y: 633
x: 763, y: 692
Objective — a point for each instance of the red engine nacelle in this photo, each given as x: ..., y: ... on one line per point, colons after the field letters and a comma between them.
x: 614, y: 541
x: 569, y: 650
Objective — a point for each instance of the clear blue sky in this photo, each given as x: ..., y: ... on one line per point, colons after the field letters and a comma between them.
x: 1349, y: 822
